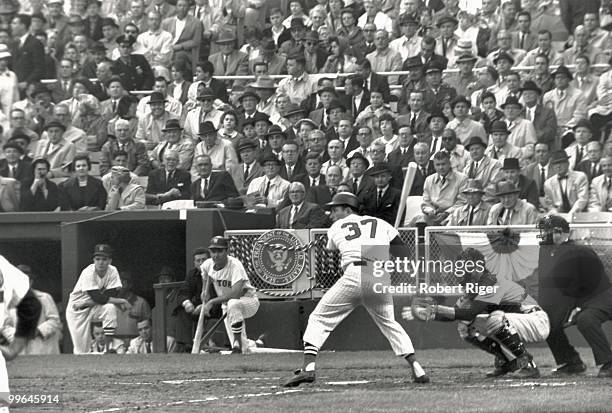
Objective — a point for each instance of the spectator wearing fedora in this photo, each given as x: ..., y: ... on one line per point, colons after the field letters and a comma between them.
x: 186, y: 42
x: 482, y: 167
x: 173, y: 105
x: 384, y: 201
x: 528, y: 189
x: 274, y: 136
x: 172, y: 140
x: 265, y: 88
x: 275, y: 63
x: 511, y: 210
x: 56, y: 150
x: 248, y: 169
x: 248, y: 107
x: 151, y: 125
x: 40, y: 194
x: 299, y: 85
x: 409, y: 44
x: 297, y: 29
x: 577, y: 150
x: 205, y: 112
x: 229, y: 61
x: 543, y: 118
x: 220, y: 150
x: 463, y: 125
x: 475, y: 212
x: 500, y: 148
x: 442, y: 191
x: 270, y: 189
x: 463, y: 80
x: 522, y: 133
x: 600, y: 196
x: 12, y: 166
x: 314, y: 53
x: 168, y: 183
x: 567, y: 102
x: 301, y: 214
x: 567, y: 191
x: 133, y: 69
x: 446, y: 42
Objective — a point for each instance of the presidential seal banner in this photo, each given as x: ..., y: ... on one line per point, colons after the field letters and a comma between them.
x: 277, y: 258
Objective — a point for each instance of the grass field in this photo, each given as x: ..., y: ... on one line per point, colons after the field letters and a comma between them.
x: 251, y: 383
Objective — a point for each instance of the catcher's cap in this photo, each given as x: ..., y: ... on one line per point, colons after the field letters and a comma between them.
x: 103, y: 250
x: 344, y: 199
x: 218, y: 242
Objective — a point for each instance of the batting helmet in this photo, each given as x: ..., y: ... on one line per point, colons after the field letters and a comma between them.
x: 218, y: 242
x: 345, y: 199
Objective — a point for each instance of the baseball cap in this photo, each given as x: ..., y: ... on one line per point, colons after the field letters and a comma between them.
x: 103, y: 250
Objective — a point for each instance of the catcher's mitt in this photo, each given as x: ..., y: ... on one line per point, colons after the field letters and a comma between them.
x: 422, y: 309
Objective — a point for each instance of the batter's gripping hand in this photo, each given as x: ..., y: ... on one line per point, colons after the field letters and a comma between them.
x: 423, y: 309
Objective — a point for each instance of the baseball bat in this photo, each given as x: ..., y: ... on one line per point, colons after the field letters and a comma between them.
x: 408, y: 180
x: 197, y: 339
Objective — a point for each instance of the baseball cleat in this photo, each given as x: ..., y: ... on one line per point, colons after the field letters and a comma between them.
x: 236, y: 348
x: 501, y: 367
x: 570, y: 369
x: 424, y: 379
x: 300, y: 376
x: 605, y: 371
x: 528, y: 372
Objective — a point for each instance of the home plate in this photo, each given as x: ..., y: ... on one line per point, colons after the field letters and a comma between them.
x: 347, y: 383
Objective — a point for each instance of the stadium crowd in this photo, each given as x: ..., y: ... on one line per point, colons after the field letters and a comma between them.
x: 130, y: 104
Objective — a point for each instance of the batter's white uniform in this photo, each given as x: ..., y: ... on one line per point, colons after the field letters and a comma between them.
x: 79, y: 321
x: 360, y: 240
x: 14, y: 285
x: 223, y: 280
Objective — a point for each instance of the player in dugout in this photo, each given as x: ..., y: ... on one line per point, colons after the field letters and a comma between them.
x: 499, y: 320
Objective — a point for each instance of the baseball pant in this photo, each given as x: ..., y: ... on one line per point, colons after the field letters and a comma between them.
x: 237, y: 311
x: 347, y: 293
x: 531, y: 328
x: 79, y: 324
x: 595, y: 312
x: 558, y: 307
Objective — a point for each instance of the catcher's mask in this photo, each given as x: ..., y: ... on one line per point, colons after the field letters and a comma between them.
x: 549, y: 225
x: 475, y: 256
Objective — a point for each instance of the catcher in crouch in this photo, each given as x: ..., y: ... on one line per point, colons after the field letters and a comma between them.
x: 499, y: 323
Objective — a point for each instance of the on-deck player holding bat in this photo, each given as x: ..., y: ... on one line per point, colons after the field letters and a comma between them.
x: 15, y: 293
x: 498, y: 322
x: 360, y: 240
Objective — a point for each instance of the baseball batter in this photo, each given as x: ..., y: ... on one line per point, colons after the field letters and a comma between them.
x: 233, y: 288
x: 498, y: 321
x: 15, y: 294
x: 360, y: 240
